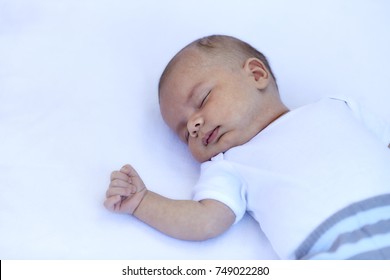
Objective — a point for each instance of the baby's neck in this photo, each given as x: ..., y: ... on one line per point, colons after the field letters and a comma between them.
x: 280, y: 111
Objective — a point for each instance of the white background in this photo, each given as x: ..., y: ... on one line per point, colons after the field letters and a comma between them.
x: 78, y: 99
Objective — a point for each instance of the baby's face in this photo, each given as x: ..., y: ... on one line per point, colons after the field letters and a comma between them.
x: 211, y: 108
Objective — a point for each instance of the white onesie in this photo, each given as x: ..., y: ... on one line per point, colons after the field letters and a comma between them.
x: 307, y: 178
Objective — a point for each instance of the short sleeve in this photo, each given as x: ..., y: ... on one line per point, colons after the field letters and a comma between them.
x: 376, y: 124
x: 221, y: 182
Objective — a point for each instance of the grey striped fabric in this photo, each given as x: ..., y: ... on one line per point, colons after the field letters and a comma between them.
x: 380, y: 254
x: 359, y: 231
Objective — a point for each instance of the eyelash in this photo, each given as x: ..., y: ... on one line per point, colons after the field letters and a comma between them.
x: 204, y: 99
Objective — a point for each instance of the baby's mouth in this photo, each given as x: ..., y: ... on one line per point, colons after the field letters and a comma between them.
x: 210, y: 136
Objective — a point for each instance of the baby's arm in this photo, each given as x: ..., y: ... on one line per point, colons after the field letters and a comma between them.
x: 182, y: 219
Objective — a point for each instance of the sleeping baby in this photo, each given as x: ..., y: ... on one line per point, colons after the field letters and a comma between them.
x: 316, y: 179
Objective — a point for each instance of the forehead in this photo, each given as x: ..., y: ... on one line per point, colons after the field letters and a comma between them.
x: 186, y: 60
x: 183, y: 71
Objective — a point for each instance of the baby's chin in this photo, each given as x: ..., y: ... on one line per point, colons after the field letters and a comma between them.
x: 225, y: 143
x: 208, y: 154
x: 204, y: 157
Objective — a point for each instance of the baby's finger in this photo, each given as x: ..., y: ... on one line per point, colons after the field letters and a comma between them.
x: 111, y: 201
x: 135, y: 179
x: 120, y: 184
x: 119, y: 175
x: 118, y: 191
x: 129, y: 171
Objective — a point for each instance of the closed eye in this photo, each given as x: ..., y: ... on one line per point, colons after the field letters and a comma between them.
x: 204, y: 99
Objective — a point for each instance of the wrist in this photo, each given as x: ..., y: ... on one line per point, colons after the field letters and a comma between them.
x: 140, y: 197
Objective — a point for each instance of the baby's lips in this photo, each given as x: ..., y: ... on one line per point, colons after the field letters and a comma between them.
x: 210, y: 136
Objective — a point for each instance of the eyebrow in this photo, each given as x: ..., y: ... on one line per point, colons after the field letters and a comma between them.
x: 193, y: 91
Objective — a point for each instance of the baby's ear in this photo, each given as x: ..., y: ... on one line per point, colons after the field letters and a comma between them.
x: 257, y: 70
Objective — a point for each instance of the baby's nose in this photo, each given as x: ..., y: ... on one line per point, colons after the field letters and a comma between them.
x: 194, y: 126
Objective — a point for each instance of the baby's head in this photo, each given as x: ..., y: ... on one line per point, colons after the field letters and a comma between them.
x: 217, y: 93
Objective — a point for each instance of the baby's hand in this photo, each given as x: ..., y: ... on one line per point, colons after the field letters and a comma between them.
x: 125, y: 191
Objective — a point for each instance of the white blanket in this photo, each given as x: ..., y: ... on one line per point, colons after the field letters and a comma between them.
x: 78, y: 99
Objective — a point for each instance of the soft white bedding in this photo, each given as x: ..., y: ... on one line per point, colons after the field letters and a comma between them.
x: 78, y: 99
